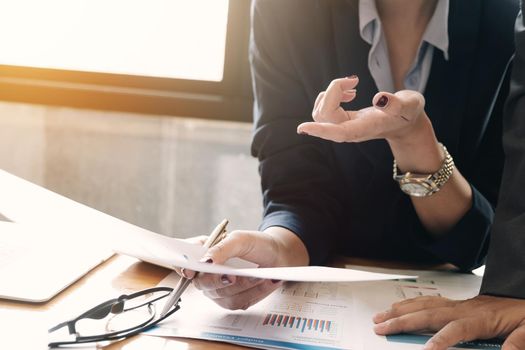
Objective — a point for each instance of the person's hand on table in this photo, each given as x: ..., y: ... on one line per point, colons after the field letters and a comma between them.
x: 482, y: 317
x: 276, y: 246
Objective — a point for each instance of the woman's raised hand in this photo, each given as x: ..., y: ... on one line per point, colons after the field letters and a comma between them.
x: 390, y: 117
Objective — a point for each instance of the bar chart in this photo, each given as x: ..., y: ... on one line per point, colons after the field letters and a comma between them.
x: 301, y: 324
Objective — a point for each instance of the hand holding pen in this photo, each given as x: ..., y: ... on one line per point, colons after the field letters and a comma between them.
x: 215, y: 237
x: 273, y: 247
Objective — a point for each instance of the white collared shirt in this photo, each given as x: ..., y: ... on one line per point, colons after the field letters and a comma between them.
x: 434, y: 37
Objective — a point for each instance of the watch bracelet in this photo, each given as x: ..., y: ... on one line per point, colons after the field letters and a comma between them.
x: 441, y: 176
x: 445, y: 172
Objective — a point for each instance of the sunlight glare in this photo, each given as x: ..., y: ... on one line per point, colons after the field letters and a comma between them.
x: 161, y: 38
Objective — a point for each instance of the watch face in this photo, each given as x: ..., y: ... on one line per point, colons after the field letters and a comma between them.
x: 415, y: 189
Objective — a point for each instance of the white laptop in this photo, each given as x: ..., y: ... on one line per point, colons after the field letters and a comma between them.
x: 47, y: 242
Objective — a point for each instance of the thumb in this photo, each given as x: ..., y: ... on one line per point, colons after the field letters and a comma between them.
x: 406, y: 104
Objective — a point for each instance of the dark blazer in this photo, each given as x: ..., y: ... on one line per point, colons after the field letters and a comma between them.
x: 505, y: 271
x: 340, y: 198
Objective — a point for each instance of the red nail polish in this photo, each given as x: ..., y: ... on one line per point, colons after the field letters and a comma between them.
x: 382, y: 102
x: 209, y: 261
x: 276, y: 281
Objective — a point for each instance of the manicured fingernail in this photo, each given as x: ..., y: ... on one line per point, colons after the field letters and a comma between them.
x: 225, y: 280
x: 276, y: 281
x: 353, y: 76
x: 382, y: 102
x: 302, y: 133
x: 183, y: 273
x: 207, y: 260
x: 352, y: 91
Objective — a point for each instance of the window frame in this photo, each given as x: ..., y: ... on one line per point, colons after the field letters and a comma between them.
x: 229, y: 99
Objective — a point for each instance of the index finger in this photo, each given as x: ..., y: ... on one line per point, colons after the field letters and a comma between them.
x: 462, y: 330
x: 335, y: 94
x: 417, y: 321
x: 237, y: 244
x: 515, y: 340
x: 412, y: 305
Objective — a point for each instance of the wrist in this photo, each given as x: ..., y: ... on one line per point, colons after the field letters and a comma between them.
x: 418, y: 151
x: 291, y: 250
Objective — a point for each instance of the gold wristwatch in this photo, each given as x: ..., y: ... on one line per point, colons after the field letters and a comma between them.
x: 421, y: 185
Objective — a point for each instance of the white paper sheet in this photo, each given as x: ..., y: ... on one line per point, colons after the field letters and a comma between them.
x: 308, y: 316
x: 172, y: 252
x: 373, y: 297
x: 287, y: 318
x: 24, y: 202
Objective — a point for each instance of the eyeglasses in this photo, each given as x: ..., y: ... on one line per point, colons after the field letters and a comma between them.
x: 117, y: 318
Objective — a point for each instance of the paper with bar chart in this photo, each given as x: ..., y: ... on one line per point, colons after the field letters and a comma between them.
x: 371, y: 298
x: 318, y: 315
x: 314, y: 315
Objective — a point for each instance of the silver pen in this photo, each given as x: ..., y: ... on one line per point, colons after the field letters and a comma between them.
x: 215, y: 237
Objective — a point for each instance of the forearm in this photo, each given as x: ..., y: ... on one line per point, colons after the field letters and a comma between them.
x: 421, y: 153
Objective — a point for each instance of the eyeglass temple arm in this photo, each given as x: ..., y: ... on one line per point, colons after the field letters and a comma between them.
x: 88, y: 314
x: 71, y: 323
x: 70, y: 326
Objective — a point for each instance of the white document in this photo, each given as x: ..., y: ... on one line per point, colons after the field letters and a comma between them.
x: 24, y: 202
x: 309, y: 316
x: 373, y: 297
x: 317, y: 316
x: 171, y: 253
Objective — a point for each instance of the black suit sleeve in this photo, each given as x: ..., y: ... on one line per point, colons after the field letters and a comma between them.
x: 505, y: 270
x: 298, y: 173
x: 465, y: 245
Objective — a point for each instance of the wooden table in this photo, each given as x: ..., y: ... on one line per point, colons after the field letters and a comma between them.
x: 24, y: 325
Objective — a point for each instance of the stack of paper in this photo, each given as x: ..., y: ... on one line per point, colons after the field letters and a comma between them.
x: 315, y: 315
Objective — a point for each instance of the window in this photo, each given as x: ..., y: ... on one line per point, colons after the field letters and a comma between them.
x: 158, y: 38
x: 179, y: 57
